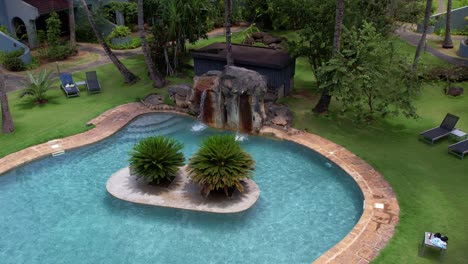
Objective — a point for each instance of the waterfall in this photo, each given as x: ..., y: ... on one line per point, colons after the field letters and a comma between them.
x: 202, y: 105
x: 239, y: 137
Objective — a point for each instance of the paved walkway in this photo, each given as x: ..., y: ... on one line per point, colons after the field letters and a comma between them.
x: 364, y: 242
x: 407, y: 34
x: 441, y: 7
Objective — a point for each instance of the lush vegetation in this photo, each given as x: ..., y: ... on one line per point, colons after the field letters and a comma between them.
x: 38, y: 86
x: 220, y: 165
x: 156, y: 159
x: 11, y: 61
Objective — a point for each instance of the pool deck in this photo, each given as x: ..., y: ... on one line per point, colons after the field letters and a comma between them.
x: 364, y: 242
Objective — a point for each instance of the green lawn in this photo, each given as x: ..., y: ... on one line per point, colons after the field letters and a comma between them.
x: 430, y: 184
x: 63, y: 117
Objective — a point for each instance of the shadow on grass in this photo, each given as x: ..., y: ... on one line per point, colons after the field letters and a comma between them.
x: 27, y: 103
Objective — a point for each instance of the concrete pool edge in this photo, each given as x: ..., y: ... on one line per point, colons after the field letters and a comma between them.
x: 362, y: 244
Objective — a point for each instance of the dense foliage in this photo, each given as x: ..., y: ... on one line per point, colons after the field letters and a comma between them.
x: 128, y: 9
x: 38, y: 86
x: 174, y: 23
x: 220, y: 164
x: 120, y: 32
x: 11, y: 60
x: 56, y: 49
x: 156, y: 159
x: 368, y: 77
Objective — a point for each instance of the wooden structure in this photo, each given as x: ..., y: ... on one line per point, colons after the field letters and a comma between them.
x: 276, y: 65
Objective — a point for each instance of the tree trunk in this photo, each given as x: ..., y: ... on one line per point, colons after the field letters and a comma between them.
x: 422, y: 41
x: 448, y: 43
x: 71, y: 22
x: 129, y: 77
x: 227, y: 17
x: 7, y: 121
x: 156, y: 77
x: 325, y: 98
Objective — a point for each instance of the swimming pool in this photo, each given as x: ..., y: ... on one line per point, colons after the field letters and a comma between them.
x: 57, y: 210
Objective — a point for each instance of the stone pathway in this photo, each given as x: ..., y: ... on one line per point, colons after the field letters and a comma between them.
x: 370, y: 235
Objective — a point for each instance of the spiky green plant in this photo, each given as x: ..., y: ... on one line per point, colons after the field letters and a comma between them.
x: 156, y: 159
x: 220, y: 164
x: 38, y: 86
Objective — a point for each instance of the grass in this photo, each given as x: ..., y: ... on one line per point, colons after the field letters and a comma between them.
x: 63, y: 117
x: 430, y: 184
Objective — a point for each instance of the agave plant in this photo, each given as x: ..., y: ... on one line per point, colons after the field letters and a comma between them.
x: 220, y: 164
x: 156, y: 159
x: 38, y: 86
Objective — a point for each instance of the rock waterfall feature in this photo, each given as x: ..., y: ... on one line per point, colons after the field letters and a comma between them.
x: 232, y: 99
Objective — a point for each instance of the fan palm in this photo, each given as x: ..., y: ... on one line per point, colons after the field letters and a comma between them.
x: 38, y: 86
x: 220, y: 164
x: 156, y: 159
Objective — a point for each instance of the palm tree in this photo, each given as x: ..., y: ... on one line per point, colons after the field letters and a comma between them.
x: 325, y: 98
x: 156, y: 77
x: 156, y: 159
x: 422, y: 41
x: 7, y: 121
x: 71, y: 22
x: 129, y: 77
x: 221, y: 164
x: 38, y: 86
x: 227, y: 17
x: 448, y: 43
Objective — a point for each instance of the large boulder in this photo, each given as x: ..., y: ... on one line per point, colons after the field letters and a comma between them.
x: 268, y: 39
x: 455, y: 91
x: 180, y: 94
x: 279, y: 115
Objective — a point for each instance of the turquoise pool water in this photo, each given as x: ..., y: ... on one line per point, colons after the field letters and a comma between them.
x: 57, y: 210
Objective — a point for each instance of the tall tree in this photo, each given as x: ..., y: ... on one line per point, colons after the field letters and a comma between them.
x: 422, y: 41
x: 156, y: 77
x: 71, y: 22
x: 448, y: 43
x: 227, y: 24
x: 325, y: 98
x: 7, y: 121
x: 129, y: 77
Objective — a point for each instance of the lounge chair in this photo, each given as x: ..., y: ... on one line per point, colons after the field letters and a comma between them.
x: 68, y: 85
x: 92, y: 82
x: 434, y: 134
x: 459, y: 149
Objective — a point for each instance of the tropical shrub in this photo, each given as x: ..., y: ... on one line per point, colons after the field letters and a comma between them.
x: 11, y: 61
x: 156, y: 159
x: 134, y: 43
x: 38, y: 86
x: 60, y: 52
x: 120, y: 32
x: 221, y: 164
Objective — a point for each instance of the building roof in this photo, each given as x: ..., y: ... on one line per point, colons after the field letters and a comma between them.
x: 47, y: 6
x: 245, y: 54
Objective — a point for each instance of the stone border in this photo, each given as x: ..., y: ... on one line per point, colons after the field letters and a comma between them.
x: 182, y: 193
x: 364, y: 242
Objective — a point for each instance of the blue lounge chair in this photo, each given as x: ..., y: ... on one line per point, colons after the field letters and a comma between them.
x: 459, y: 149
x: 68, y: 85
x: 434, y: 134
x: 92, y: 82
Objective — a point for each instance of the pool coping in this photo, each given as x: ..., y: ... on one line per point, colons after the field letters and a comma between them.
x: 362, y: 244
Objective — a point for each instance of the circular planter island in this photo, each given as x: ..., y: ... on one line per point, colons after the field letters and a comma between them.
x: 182, y: 193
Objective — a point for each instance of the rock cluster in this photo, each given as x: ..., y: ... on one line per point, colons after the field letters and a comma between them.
x: 265, y: 38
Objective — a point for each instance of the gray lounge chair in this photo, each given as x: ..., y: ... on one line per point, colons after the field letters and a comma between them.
x: 434, y: 134
x: 68, y: 85
x: 459, y: 149
x: 92, y: 82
